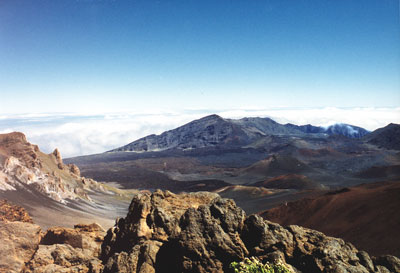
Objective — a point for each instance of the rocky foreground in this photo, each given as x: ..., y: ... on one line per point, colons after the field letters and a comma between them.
x: 26, y: 248
x: 164, y: 232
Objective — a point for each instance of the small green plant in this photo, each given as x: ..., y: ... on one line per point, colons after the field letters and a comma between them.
x: 253, y: 265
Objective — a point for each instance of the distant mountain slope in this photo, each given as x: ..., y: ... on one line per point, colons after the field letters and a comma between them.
x: 346, y: 130
x: 387, y: 137
x: 214, y: 131
x: 308, y: 129
x: 366, y: 215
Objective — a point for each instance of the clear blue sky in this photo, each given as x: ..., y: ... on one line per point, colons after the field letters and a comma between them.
x: 75, y: 55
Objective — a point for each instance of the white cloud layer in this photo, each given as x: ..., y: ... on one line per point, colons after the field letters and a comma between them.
x: 80, y: 134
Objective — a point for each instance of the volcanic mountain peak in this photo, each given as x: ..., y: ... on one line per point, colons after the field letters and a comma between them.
x: 387, y: 137
x: 211, y: 117
x: 23, y: 165
x: 213, y: 130
x: 208, y: 131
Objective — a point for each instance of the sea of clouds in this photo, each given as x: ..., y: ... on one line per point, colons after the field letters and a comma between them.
x: 89, y: 133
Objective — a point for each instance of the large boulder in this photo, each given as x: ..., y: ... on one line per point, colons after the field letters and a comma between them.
x: 69, y: 250
x: 209, y: 239
x: 201, y: 232
x: 63, y: 258
x: 154, y: 217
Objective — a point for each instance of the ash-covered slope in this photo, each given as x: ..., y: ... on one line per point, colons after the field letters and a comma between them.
x: 387, y: 137
x: 201, y: 232
x: 366, y: 215
x: 289, y: 181
x: 214, y: 131
x: 24, y: 167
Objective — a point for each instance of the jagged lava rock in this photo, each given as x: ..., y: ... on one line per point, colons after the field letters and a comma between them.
x: 201, y: 232
x: 151, y: 217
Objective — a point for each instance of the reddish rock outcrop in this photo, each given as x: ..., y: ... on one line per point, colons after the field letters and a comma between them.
x: 10, y: 212
x: 24, y: 166
x: 19, y: 237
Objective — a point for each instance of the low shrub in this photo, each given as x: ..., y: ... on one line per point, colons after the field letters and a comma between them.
x: 253, y: 265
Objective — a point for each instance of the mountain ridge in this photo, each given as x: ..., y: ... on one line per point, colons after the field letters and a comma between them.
x: 386, y: 137
x: 215, y: 131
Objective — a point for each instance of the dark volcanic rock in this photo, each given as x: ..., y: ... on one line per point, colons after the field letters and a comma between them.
x: 209, y: 240
x: 151, y: 222
x: 201, y: 232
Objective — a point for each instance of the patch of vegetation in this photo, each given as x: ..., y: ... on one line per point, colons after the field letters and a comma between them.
x: 253, y: 265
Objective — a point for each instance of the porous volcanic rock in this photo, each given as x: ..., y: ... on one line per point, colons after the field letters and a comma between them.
x: 63, y: 258
x: 12, y: 213
x: 151, y: 221
x: 201, y: 232
x: 18, y: 242
x: 68, y: 250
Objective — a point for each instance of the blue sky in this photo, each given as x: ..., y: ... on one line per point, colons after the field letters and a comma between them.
x: 113, y: 55
x: 87, y: 76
